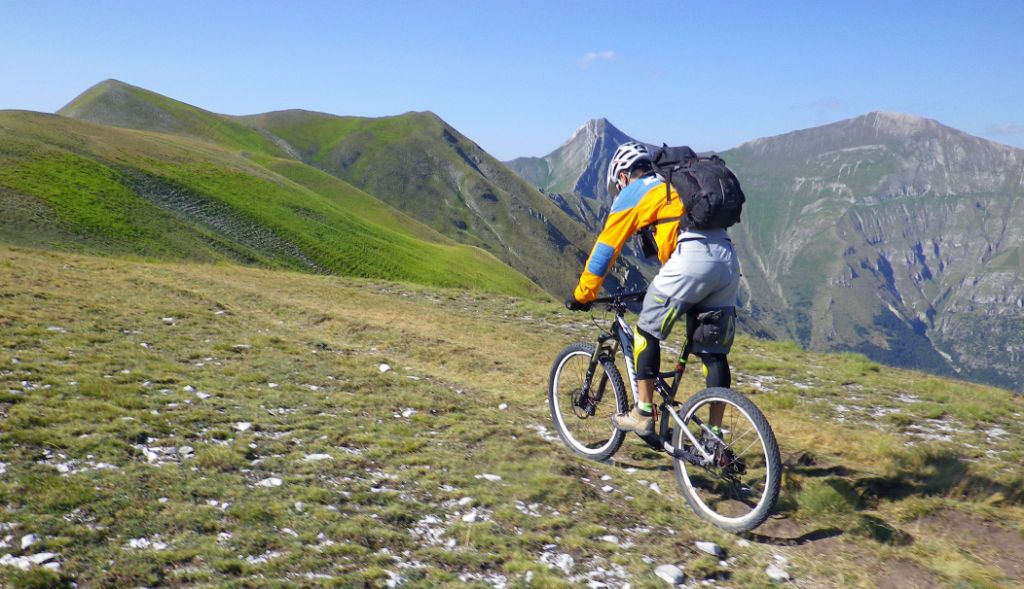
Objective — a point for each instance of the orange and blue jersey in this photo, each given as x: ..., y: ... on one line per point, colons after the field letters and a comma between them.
x: 641, y: 203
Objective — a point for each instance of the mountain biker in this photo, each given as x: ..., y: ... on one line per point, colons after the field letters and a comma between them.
x: 699, y: 272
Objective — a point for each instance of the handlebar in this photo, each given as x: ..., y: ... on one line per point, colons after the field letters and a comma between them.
x: 622, y: 297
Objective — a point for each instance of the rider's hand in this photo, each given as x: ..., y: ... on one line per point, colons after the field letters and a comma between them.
x: 573, y: 305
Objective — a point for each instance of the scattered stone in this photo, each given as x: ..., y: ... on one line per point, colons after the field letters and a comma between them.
x: 654, y: 487
x: 318, y: 457
x: 146, y: 544
x: 243, y: 426
x: 3, y: 468
x: 186, y: 451
x: 28, y: 540
x: 168, y: 320
x: 270, y: 482
x: 710, y: 548
x: 272, y: 385
x: 742, y: 543
x: 384, y: 368
x: 562, y: 561
x: 189, y: 388
x: 610, y: 539
x: 606, y: 477
x: 408, y: 412
x: 56, y: 329
x: 489, y: 477
x: 17, y: 562
x: 163, y: 500
x: 470, y: 517
x: 300, y: 506
x: 43, y: 557
x: 465, y: 501
x: 671, y: 574
x: 776, y: 574
x: 607, y: 488
x: 503, y: 406
x: 203, y: 396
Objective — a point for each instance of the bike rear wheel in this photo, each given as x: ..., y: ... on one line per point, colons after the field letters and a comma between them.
x: 582, y: 415
x: 738, y: 488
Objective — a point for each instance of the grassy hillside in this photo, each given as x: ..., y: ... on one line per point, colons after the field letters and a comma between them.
x: 176, y: 425
x: 67, y: 184
x: 114, y: 103
x: 418, y: 163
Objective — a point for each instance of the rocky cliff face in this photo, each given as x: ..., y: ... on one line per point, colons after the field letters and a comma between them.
x: 887, y: 234
x: 891, y: 235
x: 579, y: 165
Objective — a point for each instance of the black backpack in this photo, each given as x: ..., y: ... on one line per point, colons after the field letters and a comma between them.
x: 711, y: 194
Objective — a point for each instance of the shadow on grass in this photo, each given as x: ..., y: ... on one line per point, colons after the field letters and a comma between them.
x: 937, y: 472
x: 812, y: 536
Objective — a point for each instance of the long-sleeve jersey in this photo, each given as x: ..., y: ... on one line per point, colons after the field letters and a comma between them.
x: 641, y: 203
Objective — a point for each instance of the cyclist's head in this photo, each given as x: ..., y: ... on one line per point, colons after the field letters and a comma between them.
x: 630, y: 159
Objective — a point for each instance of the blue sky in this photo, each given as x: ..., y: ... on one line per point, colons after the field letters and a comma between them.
x: 520, y: 77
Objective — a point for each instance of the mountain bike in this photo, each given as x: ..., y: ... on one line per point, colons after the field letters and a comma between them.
x: 728, y: 474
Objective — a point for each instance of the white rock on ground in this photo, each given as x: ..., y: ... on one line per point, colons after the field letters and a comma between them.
x: 318, y: 457
x: 168, y: 320
x: 489, y: 477
x: 503, y: 406
x: 776, y: 574
x: 18, y: 562
x: 671, y: 574
x: 243, y: 426
x: 270, y: 482
x: 710, y: 547
x: 203, y: 396
x: 43, y: 557
x: 383, y: 368
x: 29, y: 540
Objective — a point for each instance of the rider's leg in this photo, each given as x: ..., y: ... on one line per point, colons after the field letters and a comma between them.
x: 716, y: 374
x: 647, y: 360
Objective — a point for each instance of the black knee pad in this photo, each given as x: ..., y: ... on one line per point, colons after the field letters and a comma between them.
x: 646, y: 354
x: 716, y: 370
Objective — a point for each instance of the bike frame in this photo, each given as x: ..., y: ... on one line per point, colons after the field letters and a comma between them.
x: 666, y: 383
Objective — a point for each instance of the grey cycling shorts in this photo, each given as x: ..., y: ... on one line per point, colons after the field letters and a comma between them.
x: 701, y: 274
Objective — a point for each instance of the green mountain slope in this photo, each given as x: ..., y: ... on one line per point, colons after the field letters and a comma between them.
x: 415, y: 162
x: 421, y: 165
x: 117, y: 104
x: 69, y: 184
x: 230, y: 426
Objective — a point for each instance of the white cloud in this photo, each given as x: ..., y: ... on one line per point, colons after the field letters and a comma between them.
x: 1006, y: 129
x: 594, y: 56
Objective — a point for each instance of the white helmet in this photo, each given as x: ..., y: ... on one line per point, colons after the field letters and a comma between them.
x: 623, y: 160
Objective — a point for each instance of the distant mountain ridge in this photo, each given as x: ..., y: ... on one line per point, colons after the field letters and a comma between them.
x: 579, y: 166
x: 886, y: 233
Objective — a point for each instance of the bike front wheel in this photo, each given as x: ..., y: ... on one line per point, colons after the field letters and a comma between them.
x: 737, y: 487
x: 580, y: 411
